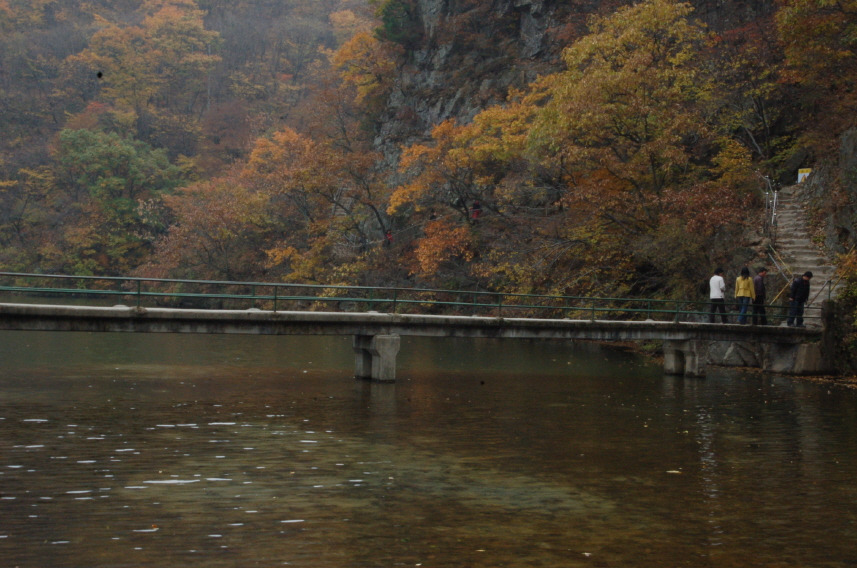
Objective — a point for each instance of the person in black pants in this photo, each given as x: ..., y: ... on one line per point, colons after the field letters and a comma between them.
x: 759, y: 316
x: 798, y: 295
x: 717, y: 296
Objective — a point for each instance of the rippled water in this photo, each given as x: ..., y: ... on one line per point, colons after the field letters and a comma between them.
x: 143, y: 450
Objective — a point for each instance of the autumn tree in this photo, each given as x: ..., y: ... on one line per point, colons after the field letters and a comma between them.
x: 400, y: 22
x: 622, y: 117
x: 348, y: 170
x: 348, y: 23
x: 322, y: 198
x: 629, y: 125
x: 28, y: 213
x: 272, y: 53
x: 113, y: 187
x: 481, y: 162
x: 752, y: 104
x: 610, y: 152
x: 370, y: 66
x: 35, y: 38
x: 218, y: 233
x: 158, y: 69
x: 820, y: 43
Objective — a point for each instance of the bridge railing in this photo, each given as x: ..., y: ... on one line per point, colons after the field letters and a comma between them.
x: 214, y: 294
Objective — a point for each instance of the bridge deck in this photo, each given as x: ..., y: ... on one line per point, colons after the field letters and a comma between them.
x: 167, y: 320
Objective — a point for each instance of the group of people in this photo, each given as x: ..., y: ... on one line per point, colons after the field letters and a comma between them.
x: 752, y: 291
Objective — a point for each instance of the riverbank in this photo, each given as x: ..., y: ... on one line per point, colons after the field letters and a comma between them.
x: 653, y: 351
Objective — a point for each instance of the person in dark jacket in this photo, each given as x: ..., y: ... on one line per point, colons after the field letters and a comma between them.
x: 759, y: 301
x: 798, y: 295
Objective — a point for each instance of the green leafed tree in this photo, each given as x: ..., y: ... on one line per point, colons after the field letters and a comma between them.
x: 113, y: 187
x: 399, y: 21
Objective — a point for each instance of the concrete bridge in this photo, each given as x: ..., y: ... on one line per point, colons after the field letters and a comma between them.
x: 377, y: 335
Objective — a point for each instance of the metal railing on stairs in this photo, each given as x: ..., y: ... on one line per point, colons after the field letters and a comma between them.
x: 771, y: 194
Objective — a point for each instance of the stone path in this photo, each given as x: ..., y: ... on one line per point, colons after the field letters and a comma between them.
x: 797, y: 253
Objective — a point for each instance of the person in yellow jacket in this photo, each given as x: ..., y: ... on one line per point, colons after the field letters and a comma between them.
x: 745, y: 292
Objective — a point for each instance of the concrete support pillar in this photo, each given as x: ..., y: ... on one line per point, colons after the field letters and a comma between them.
x: 375, y: 357
x: 796, y: 359
x: 673, y: 359
x: 683, y: 358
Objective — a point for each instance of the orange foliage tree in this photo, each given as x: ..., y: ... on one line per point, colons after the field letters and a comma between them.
x: 219, y: 233
x: 324, y: 198
x: 819, y: 38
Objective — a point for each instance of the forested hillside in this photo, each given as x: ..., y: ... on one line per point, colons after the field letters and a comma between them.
x: 573, y: 147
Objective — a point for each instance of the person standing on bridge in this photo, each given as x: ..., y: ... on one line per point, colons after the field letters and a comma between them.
x: 717, y: 296
x: 745, y: 292
x: 798, y: 295
x: 759, y: 316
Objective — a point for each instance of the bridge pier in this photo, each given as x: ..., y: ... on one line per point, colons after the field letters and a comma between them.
x: 684, y: 358
x: 375, y: 357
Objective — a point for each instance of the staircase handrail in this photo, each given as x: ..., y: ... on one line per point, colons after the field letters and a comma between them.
x: 829, y: 280
x: 771, y: 196
x: 784, y: 269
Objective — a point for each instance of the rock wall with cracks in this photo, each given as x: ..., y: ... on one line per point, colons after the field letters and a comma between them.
x: 472, y: 53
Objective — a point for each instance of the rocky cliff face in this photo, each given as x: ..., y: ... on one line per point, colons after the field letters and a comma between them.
x: 830, y: 198
x: 468, y: 59
x: 473, y: 51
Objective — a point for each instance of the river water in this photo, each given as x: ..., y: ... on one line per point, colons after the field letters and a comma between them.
x: 181, y: 450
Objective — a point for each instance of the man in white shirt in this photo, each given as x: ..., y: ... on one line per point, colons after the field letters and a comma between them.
x: 717, y: 296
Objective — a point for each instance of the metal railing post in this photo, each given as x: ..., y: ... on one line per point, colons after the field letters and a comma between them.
x: 774, y: 209
x: 276, y: 289
x: 139, y: 293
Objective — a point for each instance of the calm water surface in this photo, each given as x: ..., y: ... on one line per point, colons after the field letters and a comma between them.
x: 145, y: 450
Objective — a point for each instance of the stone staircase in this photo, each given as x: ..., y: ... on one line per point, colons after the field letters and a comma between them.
x: 795, y: 253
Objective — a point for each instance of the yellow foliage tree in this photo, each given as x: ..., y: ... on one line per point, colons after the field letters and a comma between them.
x: 627, y: 118
x: 159, y: 66
x: 326, y: 199
x: 369, y: 65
